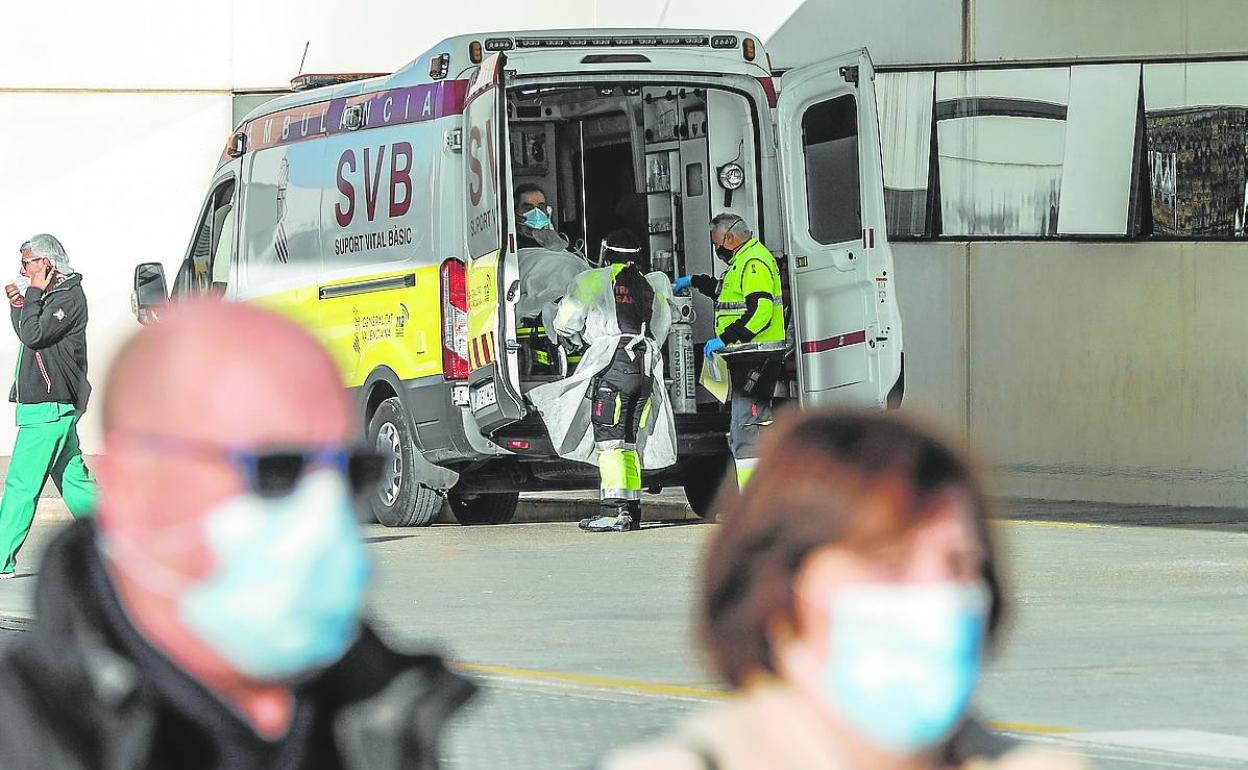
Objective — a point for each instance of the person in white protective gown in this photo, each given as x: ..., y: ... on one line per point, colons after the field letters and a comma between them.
x: 614, y: 411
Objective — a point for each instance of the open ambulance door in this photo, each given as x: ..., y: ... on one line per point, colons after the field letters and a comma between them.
x: 844, y: 306
x: 493, y: 273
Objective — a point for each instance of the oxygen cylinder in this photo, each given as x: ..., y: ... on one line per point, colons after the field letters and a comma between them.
x: 683, y: 391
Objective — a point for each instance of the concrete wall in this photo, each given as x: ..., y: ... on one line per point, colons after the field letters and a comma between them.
x: 902, y: 32
x: 1061, y: 29
x: 896, y: 31
x: 931, y: 290
x: 1112, y: 372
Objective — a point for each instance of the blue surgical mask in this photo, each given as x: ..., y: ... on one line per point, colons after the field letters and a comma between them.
x: 904, y: 660
x: 537, y: 219
x: 287, y: 587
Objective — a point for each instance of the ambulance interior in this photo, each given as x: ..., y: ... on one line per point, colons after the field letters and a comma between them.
x: 642, y: 157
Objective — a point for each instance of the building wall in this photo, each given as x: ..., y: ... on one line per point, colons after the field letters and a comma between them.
x: 1061, y: 29
x: 916, y: 32
x: 1112, y: 372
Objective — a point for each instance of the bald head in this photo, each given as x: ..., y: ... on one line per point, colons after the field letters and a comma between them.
x: 186, y: 398
x: 226, y: 373
x: 213, y: 375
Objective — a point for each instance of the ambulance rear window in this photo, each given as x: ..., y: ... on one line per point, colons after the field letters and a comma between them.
x: 830, y: 148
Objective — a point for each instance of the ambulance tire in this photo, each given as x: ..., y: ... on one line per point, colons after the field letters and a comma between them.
x: 401, y: 500
x: 488, y: 508
x: 702, y: 483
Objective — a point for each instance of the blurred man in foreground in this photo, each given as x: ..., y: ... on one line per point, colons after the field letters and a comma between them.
x: 209, y: 616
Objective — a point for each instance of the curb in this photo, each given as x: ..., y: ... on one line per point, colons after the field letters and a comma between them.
x: 531, y: 510
x: 544, y: 509
x: 547, y: 510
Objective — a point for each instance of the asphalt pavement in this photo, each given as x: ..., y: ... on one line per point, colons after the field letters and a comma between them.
x: 1125, y: 639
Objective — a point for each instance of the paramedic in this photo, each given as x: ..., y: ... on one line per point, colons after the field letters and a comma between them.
x: 614, y: 409
x: 50, y: 389
x: 749, y: 324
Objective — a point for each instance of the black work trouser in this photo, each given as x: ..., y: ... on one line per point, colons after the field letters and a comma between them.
x: 621, y: 405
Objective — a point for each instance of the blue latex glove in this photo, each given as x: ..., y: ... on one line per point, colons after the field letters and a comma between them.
x: 682, y: 283
x: 713, y: 346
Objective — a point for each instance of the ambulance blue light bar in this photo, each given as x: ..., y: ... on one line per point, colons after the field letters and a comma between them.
x: 682, y: 41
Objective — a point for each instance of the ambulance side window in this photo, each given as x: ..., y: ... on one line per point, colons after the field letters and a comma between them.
x: 207, y: 264
x: 830, y: 150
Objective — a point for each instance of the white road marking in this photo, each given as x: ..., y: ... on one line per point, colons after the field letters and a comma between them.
x: 1192, y: 743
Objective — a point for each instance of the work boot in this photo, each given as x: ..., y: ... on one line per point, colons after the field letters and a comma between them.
x: 634, y: 511
x: 612, y: 517
x: 621, y: 523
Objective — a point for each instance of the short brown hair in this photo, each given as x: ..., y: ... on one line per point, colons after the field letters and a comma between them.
x: 818, y: 472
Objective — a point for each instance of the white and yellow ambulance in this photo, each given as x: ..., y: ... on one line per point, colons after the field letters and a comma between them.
x: 380, y: 213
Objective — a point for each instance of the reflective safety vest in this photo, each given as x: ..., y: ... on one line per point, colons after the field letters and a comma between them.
x: 750, y: 307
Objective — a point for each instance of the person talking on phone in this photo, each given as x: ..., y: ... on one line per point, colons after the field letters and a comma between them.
x: 49, y: 313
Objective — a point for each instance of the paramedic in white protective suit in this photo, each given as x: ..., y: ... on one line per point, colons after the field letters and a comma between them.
x: 614, y: 409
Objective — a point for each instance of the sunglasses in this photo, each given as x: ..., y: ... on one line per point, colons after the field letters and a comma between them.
x: 276, y: 471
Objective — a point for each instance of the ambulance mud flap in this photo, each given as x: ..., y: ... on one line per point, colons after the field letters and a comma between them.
x: 433, y: 476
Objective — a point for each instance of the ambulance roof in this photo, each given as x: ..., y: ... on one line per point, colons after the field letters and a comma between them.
x: 534, y: 52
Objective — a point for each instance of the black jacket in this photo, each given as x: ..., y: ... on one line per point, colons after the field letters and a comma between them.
x: 83, y: 690
x: 52, y: 327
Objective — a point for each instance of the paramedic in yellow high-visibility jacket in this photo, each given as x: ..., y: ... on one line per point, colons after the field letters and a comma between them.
x: 749, y: 328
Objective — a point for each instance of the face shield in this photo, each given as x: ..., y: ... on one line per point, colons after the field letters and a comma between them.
x: 608, y: 254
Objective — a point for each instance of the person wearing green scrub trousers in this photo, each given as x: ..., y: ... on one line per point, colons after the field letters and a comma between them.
x: 50, y: 389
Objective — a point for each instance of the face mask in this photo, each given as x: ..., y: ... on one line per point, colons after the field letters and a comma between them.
x: 724, y: 254
x: 537, y: 219
x: 22, y: 282
x: 287, y: 586
x: 904, y: 660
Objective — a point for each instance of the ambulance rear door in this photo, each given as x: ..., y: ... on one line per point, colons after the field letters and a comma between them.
x: 493, y: 273
x: 844, y: 306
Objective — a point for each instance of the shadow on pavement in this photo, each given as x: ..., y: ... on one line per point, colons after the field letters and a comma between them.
x: 666, y: 523
x: 1172, y: 517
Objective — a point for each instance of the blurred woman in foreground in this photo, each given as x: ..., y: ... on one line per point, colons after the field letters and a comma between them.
x: 848, y: 596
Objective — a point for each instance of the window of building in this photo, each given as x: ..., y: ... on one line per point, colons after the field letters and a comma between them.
x: 1196, y: 127
x: 1001, y: 143
x: 905, y: 106
x: 1098, y: 163
x: 830, y: 150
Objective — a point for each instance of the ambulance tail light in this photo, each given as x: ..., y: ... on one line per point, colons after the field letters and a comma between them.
x: 454, y: 320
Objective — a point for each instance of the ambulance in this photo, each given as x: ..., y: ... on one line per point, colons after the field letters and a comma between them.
x: 380, y: 213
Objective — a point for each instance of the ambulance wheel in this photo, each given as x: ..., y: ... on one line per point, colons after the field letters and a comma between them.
x: 488, y: 508
x: 702, y: 482
x: 401, y: 500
